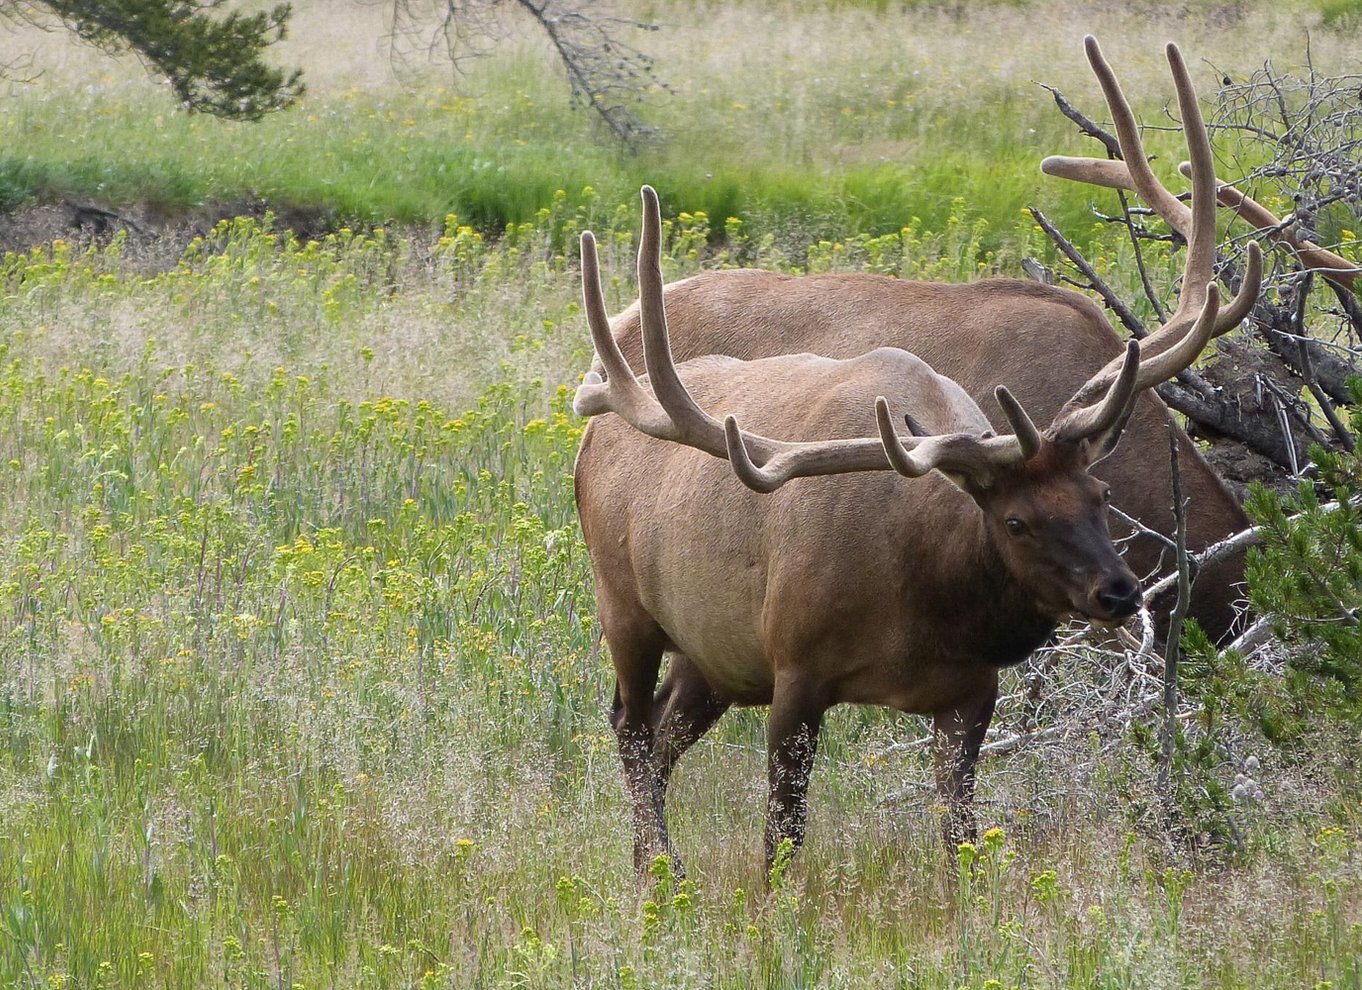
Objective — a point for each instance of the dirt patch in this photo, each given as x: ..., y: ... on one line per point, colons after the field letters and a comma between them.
x: 156, y: 238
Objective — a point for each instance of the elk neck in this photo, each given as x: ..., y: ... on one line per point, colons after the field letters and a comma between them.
x: 978, y: 609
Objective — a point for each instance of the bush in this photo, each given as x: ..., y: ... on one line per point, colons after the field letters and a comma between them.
x: 1307, y: 578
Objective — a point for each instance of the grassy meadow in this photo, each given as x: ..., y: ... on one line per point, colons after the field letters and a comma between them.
x: 300, y: 684
x: 816, y: 120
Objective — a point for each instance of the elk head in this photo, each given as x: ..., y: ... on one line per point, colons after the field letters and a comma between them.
x: 1045, y: 515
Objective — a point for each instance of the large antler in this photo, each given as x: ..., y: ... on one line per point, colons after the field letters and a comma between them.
x: 1332, y: 266
x: 1198, y: 315
x: 669, y: 412
x: 1115, y: 174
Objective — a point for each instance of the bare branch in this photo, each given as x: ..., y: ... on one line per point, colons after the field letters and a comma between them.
x: 1085, y: 123
x: 1306, y: 366
x: 1173, y: 649
x: 606, y: 74
x: 1149, y: 293
x: 1114, y: 302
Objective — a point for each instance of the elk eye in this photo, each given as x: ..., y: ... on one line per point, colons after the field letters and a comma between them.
x: 1106, y: 495
x: 1015, y: 526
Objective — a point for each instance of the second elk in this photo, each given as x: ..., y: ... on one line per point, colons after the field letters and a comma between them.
x: 887, y: 558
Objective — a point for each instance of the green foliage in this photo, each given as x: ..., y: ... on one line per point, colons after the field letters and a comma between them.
x: 1307, y: 577
x: 1199, y: 814
x: 214, y: 65
x: 1343, y: 15
x: 860, y: 151
x: 300, y: 683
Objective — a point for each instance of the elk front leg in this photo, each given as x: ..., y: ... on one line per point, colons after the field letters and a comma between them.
x: 959, y: 733
x: 792, y: 741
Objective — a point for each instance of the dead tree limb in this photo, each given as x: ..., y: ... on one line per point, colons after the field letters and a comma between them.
x: 1173, y: 651
x: 1085, y: 123
x: 1218, y: 416
x: 1114, y: 302
x: 1146, y: 284
x: 606, y: 74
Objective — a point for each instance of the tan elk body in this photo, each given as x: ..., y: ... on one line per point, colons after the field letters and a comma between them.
x: 1042, y: 341
x: 745, y: 580
x: 891, y: 558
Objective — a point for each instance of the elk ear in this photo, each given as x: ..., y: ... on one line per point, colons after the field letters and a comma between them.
x: 976, y: 486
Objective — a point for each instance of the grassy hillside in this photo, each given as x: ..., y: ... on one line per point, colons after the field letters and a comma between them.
x: 301, y: 685
x: 819, y: 120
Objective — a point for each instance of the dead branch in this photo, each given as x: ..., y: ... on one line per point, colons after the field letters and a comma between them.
x: 1217, y: 416
x: 1173, y: 649
x: 1114, y: 302
x: 1085, y: 123
x: 605, y: 73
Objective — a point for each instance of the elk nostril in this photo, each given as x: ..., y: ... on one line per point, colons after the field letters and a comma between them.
x: 1120, y: 596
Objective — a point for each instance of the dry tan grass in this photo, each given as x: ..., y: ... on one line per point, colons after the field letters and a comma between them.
x: 802, y: 49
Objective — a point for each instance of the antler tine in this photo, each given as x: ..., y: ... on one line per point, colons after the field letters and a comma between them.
x: 912, y: 457
x: 1227, y: 318
x: 1183, y: 330
x: 1180, y: 355
x: 1075, y: 423
x: 1137, y: 373
x: 1132, y: 145
x: 906, y: 460
x: 1332, y: 266
x: 1114, y: 175
x: 1197, y: 224
x: 954, y: 453
x: 1106, y: 172
x: 1027, y: 434
x: 824, y: 457
x: 621, y: 392
x: 693, y: 425
x: 1252, y: 283
x: 1199, y: 268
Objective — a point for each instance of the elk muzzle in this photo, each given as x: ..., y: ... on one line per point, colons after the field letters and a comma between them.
x: 1113, y: 597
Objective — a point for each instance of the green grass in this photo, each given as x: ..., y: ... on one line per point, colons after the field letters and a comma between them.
x: 381, y: 169
x: 299, y: 675
x: 300, y: 685
x: 845, y: 119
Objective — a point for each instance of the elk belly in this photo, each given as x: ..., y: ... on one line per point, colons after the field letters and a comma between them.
x: 702, y: 577
x: 715, y: 624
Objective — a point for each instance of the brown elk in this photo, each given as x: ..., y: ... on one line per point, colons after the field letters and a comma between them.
x: 1043, y: 342
x: 852, y: 584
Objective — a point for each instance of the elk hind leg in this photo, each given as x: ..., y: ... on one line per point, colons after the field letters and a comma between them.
x: 686, y: 708
x: 792, y: 742
x: 637, y: 654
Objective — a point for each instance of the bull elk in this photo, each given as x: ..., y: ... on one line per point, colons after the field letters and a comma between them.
x: 855, y: 564
x: 1043, y: 342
